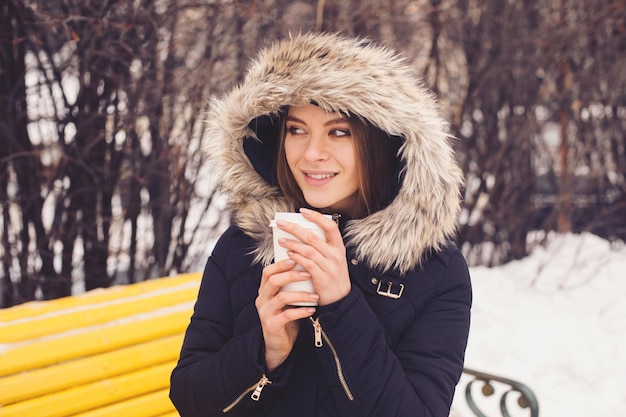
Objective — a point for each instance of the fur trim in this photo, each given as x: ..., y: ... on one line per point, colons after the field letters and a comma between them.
x: 352, y: 76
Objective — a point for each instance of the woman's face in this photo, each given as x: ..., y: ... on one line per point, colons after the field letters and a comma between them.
x: 321, y: 155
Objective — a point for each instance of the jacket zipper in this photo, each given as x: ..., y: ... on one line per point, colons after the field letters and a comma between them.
x: 320, y: 336
x: 256, y: 390
x: 336, y: 217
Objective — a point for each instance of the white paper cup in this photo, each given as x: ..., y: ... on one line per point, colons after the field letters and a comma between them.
x: 280, y: 253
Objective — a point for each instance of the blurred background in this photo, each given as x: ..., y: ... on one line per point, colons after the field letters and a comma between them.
x: 102, y: 176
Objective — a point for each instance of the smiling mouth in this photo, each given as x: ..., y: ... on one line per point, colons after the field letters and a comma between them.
x: 320, y: 176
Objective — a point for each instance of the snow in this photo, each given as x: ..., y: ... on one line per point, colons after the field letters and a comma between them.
x: 555, y: 321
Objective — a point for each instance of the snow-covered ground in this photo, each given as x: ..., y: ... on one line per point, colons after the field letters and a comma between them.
x: 555, y: 321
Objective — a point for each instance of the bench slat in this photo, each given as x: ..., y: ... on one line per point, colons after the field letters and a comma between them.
x: 68, y: 319
x: 94, y: 395
x: 37, y: 308
x: 149, y: 405
x: 99, y: 339
x: 27, y: 385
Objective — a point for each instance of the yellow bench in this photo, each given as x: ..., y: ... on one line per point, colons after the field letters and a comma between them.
x: 103, y: 353
x: 109, y: 353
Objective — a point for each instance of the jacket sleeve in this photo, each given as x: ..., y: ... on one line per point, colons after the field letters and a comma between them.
x: 215, y: 366
x: 417, y: 375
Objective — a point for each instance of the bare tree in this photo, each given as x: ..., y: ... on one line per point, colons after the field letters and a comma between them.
x: 102, y: 178
x: 531, y: 65
x: 109, y: 121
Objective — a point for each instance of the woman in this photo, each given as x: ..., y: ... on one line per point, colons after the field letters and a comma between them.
x: 327, y: 124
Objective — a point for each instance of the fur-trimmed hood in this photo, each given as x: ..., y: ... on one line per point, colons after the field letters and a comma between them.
x: 355, y: 77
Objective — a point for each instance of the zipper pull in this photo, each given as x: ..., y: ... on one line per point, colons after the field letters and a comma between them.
x: 256, y: 394
x: 336, y: 217
x: 317, y: 328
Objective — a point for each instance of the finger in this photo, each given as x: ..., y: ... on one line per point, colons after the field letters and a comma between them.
x: 312, y: 262
x: 309, y: 256
x: 275, y: 309
x: 299, y: 232
x: 269, y: 287
x: 304, y: 238
x: 329, y: 226
x: 297, y: 313
x: 281, y: 319
x: 287, y: 299
x: 268, y: 293
x: 283, y: 278
x: 276, y: 268
x: 305, y: 249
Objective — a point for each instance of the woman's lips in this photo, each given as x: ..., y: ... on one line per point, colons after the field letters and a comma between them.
x: 318, y: 178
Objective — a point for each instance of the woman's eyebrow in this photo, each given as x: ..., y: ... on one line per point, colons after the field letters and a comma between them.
x: 295, y: 119
x: 335, y: 121
x: 339, y: 119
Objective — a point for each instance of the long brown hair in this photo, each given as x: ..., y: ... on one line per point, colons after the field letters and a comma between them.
x: 376, y: 160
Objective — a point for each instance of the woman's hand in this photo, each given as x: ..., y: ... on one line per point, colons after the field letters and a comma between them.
x: 279, y: 321
x: 324, y: 261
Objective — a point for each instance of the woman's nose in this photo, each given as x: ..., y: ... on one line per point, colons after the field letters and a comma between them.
x: 316, y: 149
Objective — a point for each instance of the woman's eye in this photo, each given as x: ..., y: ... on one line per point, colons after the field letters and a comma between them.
x: 294, y: 130
x: 340, y: 132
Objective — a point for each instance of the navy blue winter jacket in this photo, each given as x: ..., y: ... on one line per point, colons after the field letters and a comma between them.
x: 379, y: 356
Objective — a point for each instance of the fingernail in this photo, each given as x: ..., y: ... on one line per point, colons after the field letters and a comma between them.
x: 310, y: 310
x: 280, y: 223
x: 304, y: 274
x: 290, y: 262
x: 305, y: 211
x: 314, y: 296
